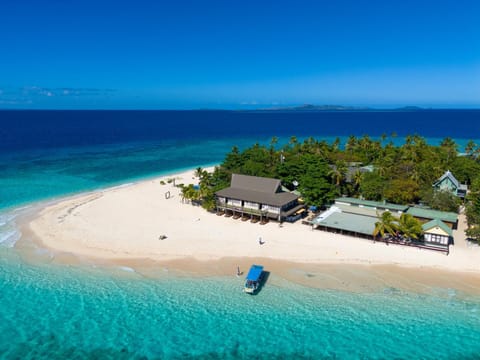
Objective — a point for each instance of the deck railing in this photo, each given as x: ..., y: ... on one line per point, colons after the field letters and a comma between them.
x: 244, y: 209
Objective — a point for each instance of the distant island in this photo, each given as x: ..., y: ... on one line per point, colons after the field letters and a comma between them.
x: 312, y: 108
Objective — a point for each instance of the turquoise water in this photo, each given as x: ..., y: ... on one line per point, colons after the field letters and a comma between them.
x: 57, y: 312
x: 42, y: 174
x: 50, y: 311
x: 39, y: 174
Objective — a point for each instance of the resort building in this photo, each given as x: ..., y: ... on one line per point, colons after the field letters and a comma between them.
x: 448, y: 182
x: 437, y: 232
x: 426, y: 214
x: 258, y: 197
x: 349, y: 220
x: 356, y: 217
x: 372, y: 205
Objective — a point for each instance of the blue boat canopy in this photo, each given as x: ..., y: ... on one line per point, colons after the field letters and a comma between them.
x: 255, y: 272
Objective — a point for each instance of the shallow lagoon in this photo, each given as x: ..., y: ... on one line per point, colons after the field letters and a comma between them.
x: 58, y: 311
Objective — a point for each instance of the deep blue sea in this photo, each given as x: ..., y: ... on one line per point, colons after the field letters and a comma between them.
x: 44, y: 154
x: 50, y: 311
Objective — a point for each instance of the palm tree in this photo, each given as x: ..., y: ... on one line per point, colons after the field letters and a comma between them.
x: 323, y: 149
x: 393, y: 136
x: 337, y: 173
x: 450, y: 148
x: 385, y: 225
x: 350, y: 145
x: 186, y: 193
x: 357, y: 179
x: 410, y: 227
x: 272, y: 151
x: 470, y: 148
x: 336, y: 144
x: 365, y: 144
x: 198, y: 173
x: 274, y: 142
x: 385, y: 165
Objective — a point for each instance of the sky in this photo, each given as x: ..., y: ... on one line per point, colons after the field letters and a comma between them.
x: 191, y: 54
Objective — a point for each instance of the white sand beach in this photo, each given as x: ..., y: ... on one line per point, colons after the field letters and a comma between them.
x: 127, y: 223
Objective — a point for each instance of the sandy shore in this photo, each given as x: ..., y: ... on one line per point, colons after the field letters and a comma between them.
x: 124, y: 224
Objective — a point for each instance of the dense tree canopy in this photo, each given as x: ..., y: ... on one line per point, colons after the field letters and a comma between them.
x: 472, y: 210
x: 373, y: 169
x: 320, y: 169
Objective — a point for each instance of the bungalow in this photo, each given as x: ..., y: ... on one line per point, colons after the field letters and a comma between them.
x: 448, y: 182
x: 436, y: 232
x: 257, y: 196
x: 426, y: 214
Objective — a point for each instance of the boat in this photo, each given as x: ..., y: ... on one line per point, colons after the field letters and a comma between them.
x: 254, y: 279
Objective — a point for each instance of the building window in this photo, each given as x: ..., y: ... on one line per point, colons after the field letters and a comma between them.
x: 438, y: 239
x: 251, y: 205
x: 271, y: 209
x: 235, y: 202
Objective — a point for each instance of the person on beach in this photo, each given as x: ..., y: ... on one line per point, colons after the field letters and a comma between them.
x: 260, y: 241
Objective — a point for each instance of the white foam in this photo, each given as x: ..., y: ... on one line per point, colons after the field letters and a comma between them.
x: 126, y: 268
x: 120, y: 186
x: 5, y: 218
x: 9, y: 233
x: 9, y: 238
x: 22, y: 208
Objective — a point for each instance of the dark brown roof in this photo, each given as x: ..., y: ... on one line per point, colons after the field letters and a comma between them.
x: 257, y: 189
x: 255, y: 183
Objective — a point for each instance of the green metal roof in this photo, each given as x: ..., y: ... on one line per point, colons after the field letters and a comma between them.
x: 434, y: 223
x: 372, y: 204
x: 365, y: 211
x: 448, y: 175
x: 432, y: 214
x: 348, y: 222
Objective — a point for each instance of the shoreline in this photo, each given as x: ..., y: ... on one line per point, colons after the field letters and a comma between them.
x: 123, y: 183
x: 120, y: 226
x: 328, y: 276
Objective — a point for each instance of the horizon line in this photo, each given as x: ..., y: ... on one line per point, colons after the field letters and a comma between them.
x: 294, y: 108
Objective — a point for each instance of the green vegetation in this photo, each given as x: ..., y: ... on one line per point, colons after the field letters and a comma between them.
x: 406, y: 226
x: 472, y: 210
x: 399, y: 174
x: 441, y: 200
x: 374, y: 169
x: 409, y: 227
x: 385, y: 225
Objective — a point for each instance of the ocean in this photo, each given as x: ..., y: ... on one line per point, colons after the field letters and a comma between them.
x: 45, y: 154
x: 49, y: 311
